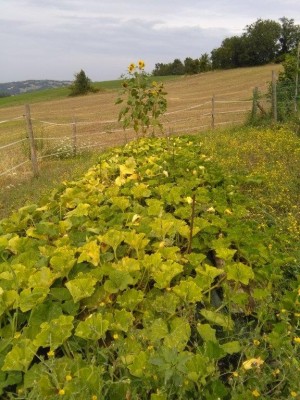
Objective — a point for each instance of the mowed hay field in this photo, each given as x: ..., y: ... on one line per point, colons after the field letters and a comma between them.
x: 96, y: 117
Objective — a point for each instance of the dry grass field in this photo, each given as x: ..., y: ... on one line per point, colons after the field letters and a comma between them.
x: 189, y: 110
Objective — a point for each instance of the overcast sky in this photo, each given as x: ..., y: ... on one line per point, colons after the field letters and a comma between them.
x: 54, y: 39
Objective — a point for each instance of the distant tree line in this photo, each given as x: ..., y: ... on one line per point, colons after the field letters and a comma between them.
x: 262, y: 42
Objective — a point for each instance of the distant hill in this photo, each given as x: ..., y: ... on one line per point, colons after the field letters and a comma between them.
x: 12, y: 88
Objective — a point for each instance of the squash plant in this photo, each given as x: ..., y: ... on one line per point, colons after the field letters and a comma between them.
x: 146, y: 279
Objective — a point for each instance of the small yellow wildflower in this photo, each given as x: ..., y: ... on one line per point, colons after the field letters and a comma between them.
x: 68, y: 378
x: 189, y: 200
x: 235, y: 374
x: 297, y: 340
x: 211, y: 210
x: 228, y: 212
x: 256, y: 393
x: 61, y: 392
x: 256, y: 342
x: 253, y: 362
x: 115, y: 336
x: 94, y: 397
x: 50, y: 353
x: 293, y: 394
x: 141, y: 64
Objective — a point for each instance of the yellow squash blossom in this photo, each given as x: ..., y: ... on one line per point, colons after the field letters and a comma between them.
x: 252, y: 363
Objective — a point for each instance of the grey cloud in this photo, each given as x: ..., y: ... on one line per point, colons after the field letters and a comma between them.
x: 55, y: 38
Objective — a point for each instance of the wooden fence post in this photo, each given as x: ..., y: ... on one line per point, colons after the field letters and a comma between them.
x: 254, y: 104
x: 74, y: 137
x: 33, y: 156
x: 274, y: 96
x: 213, y: 112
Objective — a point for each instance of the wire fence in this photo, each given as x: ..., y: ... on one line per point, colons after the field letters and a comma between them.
x: 26, y: 141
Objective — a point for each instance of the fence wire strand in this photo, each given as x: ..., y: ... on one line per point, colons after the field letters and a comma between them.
x: 193, y: 118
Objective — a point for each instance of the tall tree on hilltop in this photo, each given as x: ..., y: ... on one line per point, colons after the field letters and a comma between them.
x: 81, y: 84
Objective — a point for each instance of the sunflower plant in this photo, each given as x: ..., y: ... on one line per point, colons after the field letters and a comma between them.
x: 144, y: 101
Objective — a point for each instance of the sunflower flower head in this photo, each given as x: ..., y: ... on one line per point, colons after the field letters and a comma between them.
x: 141, y: 64
x: 131, y: 67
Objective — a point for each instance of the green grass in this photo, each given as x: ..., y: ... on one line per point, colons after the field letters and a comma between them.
x: 23, y: 190
x: 62, y: 93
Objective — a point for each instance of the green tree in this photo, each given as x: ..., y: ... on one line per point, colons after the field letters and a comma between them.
x: 191, y: 66
x: 81, y: 85
x: 262, y: 42
x: 229, y: 54
x: 290, y: 36
x: 204, y: 63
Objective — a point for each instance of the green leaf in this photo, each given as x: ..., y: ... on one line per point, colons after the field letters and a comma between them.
x: 199, y: 368
x: 63, y: 260
x: 155, y: 207
x: 122, y: 202
x: 139, y: 365
x: 180, y: 333
x: 90, y: 252
x: 214, y: 351
x: 118, y: 280
x: 93, y: 328
x: 207, y: 332
x: 81, y: 210
x: 141, y: 191
x: 113, y: 238
x: 81, y: 287
x: 136, y: 240
x: 218, y: 319
x: 240, y: 272
x: 42, y: 278
x: 20, y: 356
x: 55, y: 333
x: 231, y: 347
x: 188, y: 291
x: 122, y: 320
x: 158, y: 330
x: 29, y: 298
x: 225, y: 254
x: 165, y: 272
x: 130, y: 299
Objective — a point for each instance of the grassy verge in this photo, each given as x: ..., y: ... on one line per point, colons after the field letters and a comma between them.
x: 22, y: 189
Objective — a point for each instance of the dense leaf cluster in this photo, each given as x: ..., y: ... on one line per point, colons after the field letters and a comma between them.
x: 145, y: 279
